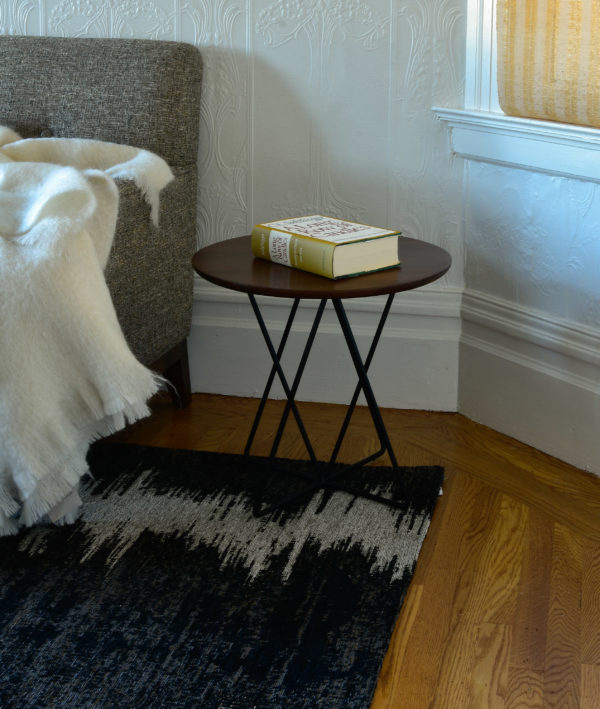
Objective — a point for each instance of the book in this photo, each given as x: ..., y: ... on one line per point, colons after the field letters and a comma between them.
x: 334, y: 248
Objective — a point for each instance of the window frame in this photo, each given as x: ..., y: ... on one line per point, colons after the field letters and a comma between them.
x: 481, y: 89
x: 480, y: 131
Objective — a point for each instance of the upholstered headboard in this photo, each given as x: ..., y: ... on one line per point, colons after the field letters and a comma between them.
x: 143, y: 93
x: 129, y: 91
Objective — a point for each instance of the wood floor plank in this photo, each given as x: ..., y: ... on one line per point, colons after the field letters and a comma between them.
x: 525, y: 689
x: 590, y: 686
x: 590, y: 604
x: 489, y: 676
x: 478, y: 647
x: 389, y: 686
x: 454, y: 686
x: 493, y: 597
x: 528, y: 650
x: 562, y: 674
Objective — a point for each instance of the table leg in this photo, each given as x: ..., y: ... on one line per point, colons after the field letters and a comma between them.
x: 290, y: 393
x: 358, y: 389
x: 297, y: 378
x: 272, y: 374
x: 364, y: 380
x: 325, y: 473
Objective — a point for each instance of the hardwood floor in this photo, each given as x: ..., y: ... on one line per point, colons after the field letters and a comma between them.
x: 504, y: 607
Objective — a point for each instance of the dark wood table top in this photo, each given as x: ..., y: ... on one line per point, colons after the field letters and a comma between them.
x: 231, y: 264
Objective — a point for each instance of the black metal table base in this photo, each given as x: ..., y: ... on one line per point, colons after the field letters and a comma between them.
x: 326, y: 474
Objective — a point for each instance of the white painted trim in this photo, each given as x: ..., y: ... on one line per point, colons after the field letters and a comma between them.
x: 562, y: 337
x: 532, y: 378
x: 543, y: 146
x: 416, y: 365
x: 481, y: 89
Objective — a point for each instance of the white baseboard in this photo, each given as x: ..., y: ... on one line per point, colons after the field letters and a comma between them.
x: 415, y: 367
x: 513, y: 369
x: 533, y: 378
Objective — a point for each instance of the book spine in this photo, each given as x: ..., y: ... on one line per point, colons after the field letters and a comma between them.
x: 293, y: 250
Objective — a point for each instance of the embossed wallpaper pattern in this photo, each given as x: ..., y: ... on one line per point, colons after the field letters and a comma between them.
x: 532, y: 239
x: 308, y: 105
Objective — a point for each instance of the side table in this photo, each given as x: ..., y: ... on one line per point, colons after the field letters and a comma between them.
x: 232, y: 265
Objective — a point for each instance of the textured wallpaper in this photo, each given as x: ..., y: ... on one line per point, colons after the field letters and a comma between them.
x: 308, y: 105
x: 532, y: 239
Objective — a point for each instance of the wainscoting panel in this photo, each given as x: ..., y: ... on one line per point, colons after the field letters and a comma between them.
x: 532, y: 377
x: 415, y: 367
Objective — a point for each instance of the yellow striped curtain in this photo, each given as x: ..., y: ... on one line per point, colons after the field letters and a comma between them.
x: 549, y: 59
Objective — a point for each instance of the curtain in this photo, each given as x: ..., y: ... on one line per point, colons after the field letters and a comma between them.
x: 549, y: 59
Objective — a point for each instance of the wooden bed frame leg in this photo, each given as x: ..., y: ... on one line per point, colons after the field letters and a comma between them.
x: 174, y: 366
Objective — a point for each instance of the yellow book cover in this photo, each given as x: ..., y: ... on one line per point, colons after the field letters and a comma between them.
x: 326, y: 246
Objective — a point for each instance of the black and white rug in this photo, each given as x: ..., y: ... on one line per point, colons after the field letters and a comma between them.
x: 168, y: 592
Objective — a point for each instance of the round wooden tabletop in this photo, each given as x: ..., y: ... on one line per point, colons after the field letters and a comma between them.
x: 231, y: 264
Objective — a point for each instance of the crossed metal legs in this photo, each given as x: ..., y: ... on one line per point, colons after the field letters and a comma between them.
x: 326, y: 474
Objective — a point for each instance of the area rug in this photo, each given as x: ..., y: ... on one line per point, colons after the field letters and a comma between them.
x: 169, y: 592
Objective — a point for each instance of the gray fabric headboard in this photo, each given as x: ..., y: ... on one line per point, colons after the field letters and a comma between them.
x: 143, y: 93
x: 130, y: 91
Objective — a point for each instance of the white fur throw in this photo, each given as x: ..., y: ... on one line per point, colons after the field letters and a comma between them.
x: 67, y: 375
